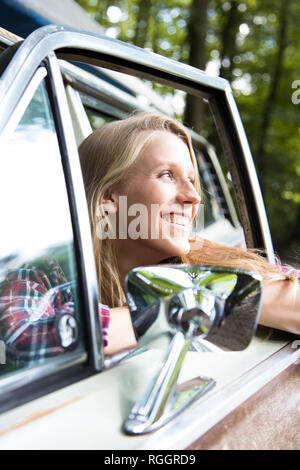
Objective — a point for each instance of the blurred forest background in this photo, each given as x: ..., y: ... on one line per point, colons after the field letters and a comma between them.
x: 256, y: 46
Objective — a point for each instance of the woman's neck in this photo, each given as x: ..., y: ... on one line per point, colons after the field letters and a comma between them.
x: 130, y: 259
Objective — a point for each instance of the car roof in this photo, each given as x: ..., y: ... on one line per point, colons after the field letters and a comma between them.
x: 24, y: 16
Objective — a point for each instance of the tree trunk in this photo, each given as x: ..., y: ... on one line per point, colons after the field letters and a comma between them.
x: 270, y: 101
x: 196, y: 36
x: 228, y: 40
x: 142, y: 23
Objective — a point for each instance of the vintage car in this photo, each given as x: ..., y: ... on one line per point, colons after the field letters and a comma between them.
x: 55, y: 87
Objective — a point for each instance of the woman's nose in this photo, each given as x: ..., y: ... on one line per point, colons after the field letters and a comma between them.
x: 188, y: 194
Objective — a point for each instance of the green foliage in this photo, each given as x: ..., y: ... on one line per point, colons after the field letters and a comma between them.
x: 255, y: 44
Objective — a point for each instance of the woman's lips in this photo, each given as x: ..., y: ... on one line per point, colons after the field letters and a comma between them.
x: 179, y: 219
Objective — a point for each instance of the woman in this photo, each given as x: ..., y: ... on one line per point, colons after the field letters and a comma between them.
x: 148, y: 162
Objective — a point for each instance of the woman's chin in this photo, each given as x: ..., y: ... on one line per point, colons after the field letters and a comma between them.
x: 175, y: 247
x: 150, y: 252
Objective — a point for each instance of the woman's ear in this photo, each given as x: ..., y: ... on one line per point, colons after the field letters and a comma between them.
x: 110, y: 201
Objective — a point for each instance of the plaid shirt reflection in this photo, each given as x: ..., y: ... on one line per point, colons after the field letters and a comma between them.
x: 28, y: 311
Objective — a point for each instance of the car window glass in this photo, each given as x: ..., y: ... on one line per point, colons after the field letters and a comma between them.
x: 39, y: 303
x: 212, y: 211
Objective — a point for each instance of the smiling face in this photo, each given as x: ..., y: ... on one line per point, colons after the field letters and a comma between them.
x: 162, y: 183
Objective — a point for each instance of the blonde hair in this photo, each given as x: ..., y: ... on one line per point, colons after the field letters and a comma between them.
x: 106, y: 156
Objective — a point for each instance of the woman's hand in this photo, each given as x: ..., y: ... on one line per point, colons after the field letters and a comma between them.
x: 120, y: 333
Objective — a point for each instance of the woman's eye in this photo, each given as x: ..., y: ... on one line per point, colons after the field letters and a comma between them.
x: 167, y: 173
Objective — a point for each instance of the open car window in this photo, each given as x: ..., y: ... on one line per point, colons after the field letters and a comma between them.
x: 217, y: 218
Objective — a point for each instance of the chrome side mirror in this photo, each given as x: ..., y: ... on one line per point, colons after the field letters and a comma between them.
x: 221, y: 305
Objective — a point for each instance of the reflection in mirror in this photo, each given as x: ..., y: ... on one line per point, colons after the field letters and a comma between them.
x: 186, y: 302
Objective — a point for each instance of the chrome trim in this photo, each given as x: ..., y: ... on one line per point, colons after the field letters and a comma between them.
x: 162, y: 401
x: 82, y: 127
x: 8, y: 38
x: 19, y: 379
x: 42, y: 41
x: 202, y: 416
x: 88, y: 267
x: 135, y: 61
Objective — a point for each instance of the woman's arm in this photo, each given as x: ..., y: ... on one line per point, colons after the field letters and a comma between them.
x: 281, y: 305
x: 280, y: 310
x: 120, y: 332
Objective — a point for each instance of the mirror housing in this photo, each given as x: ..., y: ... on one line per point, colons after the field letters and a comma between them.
x: 219, y: 304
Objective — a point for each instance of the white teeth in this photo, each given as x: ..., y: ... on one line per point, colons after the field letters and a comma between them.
x: 175, y: 219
